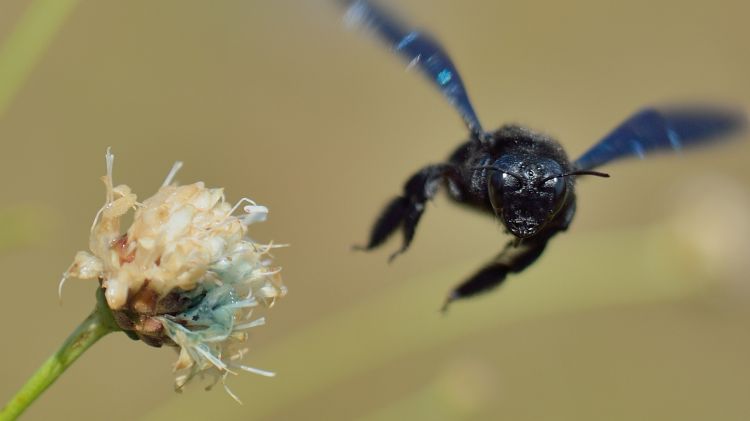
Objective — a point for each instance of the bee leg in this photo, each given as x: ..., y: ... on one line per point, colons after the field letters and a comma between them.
x: 515, y: 257
x: 404, y: 211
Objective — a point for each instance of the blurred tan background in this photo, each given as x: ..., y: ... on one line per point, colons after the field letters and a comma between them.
x: 641, y: 311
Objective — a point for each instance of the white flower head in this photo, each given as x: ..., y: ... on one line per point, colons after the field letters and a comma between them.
x: 184, y: 274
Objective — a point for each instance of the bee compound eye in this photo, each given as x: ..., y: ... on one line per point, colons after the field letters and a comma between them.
x: 560, y: 186
x: 510, y: 181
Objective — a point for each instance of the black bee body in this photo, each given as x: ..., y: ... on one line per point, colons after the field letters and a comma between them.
x: 469, y: 176
x: 518, y: 176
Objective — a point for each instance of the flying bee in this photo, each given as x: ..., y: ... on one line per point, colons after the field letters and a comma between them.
x: 519, y: 176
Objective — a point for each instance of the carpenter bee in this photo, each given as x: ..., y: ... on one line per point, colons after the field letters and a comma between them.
x: 519, y: 176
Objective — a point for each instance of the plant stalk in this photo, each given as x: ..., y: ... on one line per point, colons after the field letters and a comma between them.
x: 98, y: 324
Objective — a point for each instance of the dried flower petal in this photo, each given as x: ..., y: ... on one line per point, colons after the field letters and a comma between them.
x: 184, y: 274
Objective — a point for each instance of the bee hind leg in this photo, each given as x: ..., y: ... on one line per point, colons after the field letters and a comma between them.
x: 515, y: 257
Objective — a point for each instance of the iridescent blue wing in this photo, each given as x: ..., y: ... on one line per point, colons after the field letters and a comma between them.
x: 421, y: 51
x: 654, y: 129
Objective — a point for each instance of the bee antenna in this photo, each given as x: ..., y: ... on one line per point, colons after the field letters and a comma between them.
x: 578, y: 172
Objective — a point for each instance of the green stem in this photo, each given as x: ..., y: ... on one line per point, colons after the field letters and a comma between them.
x: 97, y: 325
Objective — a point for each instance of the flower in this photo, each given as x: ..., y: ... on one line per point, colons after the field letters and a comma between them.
x: 184, y: 273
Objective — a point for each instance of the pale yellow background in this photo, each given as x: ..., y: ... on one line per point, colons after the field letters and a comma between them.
x: 276, y: 101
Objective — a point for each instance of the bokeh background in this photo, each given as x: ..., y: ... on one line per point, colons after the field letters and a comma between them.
x: 641, y: 311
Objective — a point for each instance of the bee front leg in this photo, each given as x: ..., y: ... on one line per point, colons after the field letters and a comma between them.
x: 405, y: 211
x: 515, y: 257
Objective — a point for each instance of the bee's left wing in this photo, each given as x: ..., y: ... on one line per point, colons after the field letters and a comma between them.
x: 654, y: 129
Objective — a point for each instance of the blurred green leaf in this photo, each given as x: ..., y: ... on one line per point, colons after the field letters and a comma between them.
x: 21, y: 226
x: 21, y: 51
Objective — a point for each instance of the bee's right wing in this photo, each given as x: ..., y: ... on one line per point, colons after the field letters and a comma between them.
x: 422, y: 52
